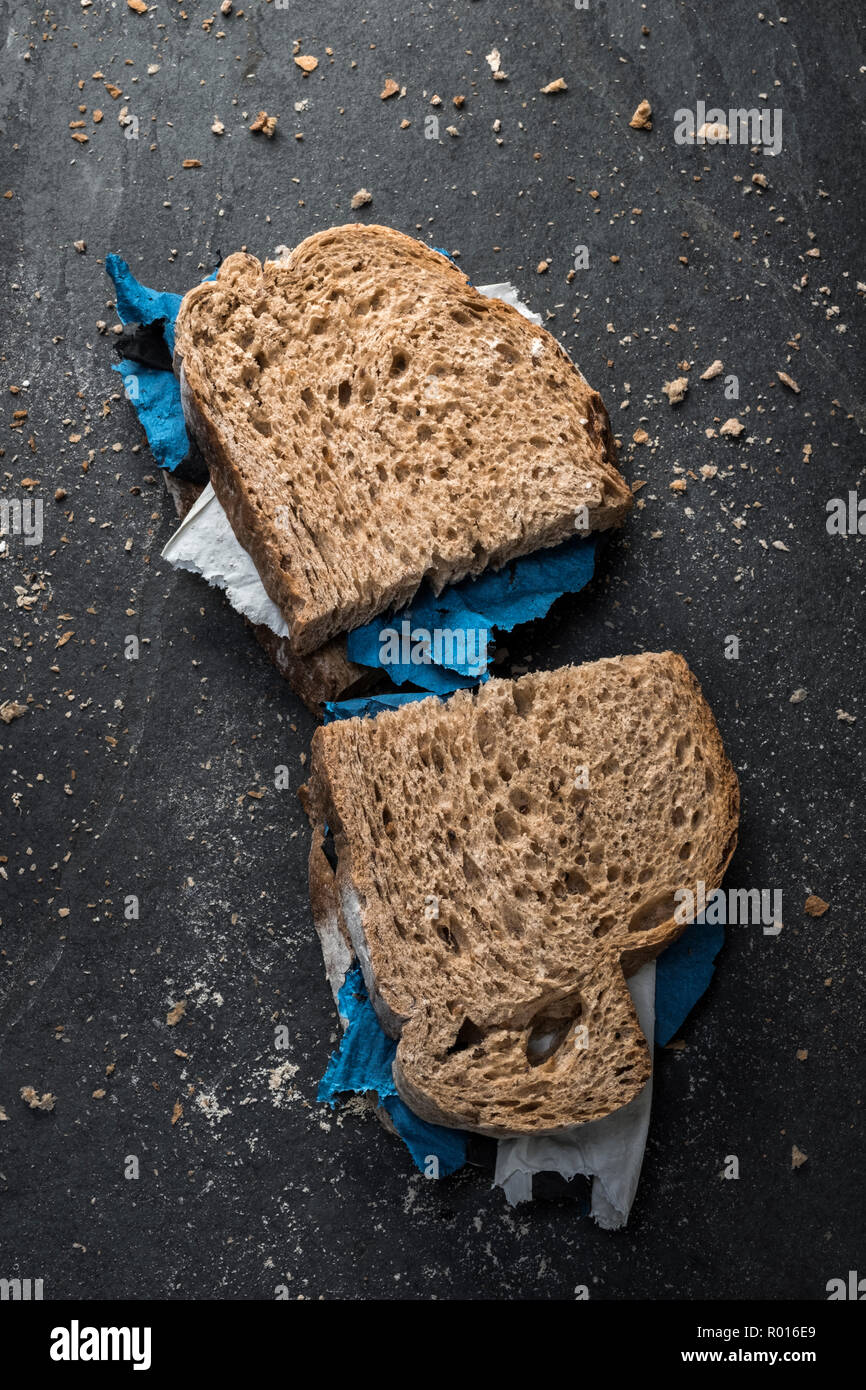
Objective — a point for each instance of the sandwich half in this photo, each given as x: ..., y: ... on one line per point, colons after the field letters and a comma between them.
x: 498, y: 864
x: 372, y: 423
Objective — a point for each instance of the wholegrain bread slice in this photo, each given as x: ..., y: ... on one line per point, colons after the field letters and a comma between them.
x: 503, y: 861
x: 371, y: 421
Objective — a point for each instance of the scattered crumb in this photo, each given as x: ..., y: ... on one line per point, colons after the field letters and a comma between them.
x: 306, y: 62
x: 641, y: 118
x: 11, y: 709
x: 732, y: 427
x: 802, y: 1054
x: 138, y: 6
x: 640, y: 436
x: 176, y: 1112
x: 798, y: 1158
x: 494, y: 59
x: 558, y: 85
x: 845, y: 717
x: 815, y: 906
x: 218, y: 128
x: 191, y: 164
x: 390, y: 89
x: 715, y: 133
x: 675, y: 390
x: 361, y: 198
x: 542, y: 267
x: 797, y: 697
x: 714, y: 369
x: 35, y: 1101
x: 176, y: 1013
x: 788, y: 381
x: 265, y: 123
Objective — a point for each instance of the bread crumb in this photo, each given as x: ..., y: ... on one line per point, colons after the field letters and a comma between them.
x: 788, y: 381
x: 11, y: 709
x: 264, y: 123
x: 494, y: 59
x: 191, y: 164
x: 715, y: 133
x: 361, y: 198
x: 815, y: 906
x: 218, y: 128
x: 732, y: 427
x: 176, y: 1013
x: 846, y: 718
x: 760, y: 180
x: 138, y: 5
x: 542, y: 267
x: 306, y: 62
x: 678, y: 485
x: 798, y: 1158
x: 452, y: 131
x: 797, y: 697
x: 802, y: 1054
x: 558, y: 85
x: 390, y: 89
x: 714, y: 369
x: 176, y: 1112
x: 641, y: 118
x: 35, y: 1101
x: 675, y: 390
x: 640, y: 436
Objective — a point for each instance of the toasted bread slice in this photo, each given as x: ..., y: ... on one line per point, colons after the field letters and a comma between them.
x: 504, y: 861
x: 371, y: 421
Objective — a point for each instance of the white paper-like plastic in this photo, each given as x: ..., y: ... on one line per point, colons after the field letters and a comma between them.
x: 609, y: 1150
x: 205, y: 544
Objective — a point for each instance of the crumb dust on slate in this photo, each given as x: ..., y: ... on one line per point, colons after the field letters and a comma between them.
x: 156, y: 935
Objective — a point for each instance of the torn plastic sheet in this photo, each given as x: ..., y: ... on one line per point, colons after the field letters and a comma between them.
x: 363, y: 1063
x: 458, y: 625
x: 154, y: 392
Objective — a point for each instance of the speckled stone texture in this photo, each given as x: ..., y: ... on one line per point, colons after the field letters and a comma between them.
x: 155, y: 777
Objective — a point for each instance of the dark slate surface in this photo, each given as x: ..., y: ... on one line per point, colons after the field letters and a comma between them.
x: 133, y: 777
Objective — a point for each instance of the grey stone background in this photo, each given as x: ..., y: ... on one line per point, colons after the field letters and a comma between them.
x: 133, y: 777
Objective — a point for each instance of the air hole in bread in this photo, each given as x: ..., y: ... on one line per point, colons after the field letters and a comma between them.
x: 468, y: 1035
x: 678, y: 816
x: 686, y: 850
x: 604, y: 924
x: 654, y: 912
x: 506, y: 826
x: 575, y: 882
x: 329, y: 849
x: 446, y: 935
x: 345, y: 392
x: 551, y: 1029
x: 684, y: 743
x: 399, y: 363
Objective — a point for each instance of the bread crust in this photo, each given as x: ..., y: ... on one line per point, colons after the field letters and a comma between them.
x: 467, y: 1018
x: 318, y: 595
